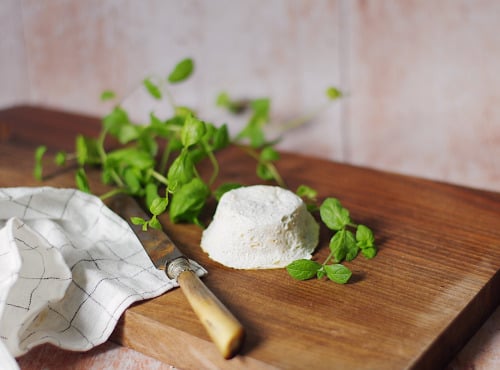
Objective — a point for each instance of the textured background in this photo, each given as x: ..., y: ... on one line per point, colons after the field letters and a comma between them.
x: 421, y: 77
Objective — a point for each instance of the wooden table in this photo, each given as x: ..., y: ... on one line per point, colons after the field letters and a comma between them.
x: 435, y: 280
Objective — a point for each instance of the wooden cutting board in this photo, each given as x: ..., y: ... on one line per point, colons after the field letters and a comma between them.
x: 434, y: 281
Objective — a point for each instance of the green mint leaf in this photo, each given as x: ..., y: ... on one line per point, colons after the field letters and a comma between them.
x: 130, y: 156
x: 181, y: 171
x: 221, y: 138
x: 87, y: 151
x: 152, y: 88
x: 107, y: 95
x: 60, y: 158
x: 188, y: 201
x: 343, y: 246
x: 140, y: 221
x: 150, y: 193
x: 192, y: 131
x: 307, y: 192
x: 223, y: 100
x: 224, y: 188
x: 338, y: 273
x: 334, y: 215
x: 333, y: 93
x: 115, y: 120
x: 264, y: 172
x: 269, y: 154
x: 183, y: 112
x: 155, y: 223
x: 351, y: 246
x: 181, y: 71
x: 254, y: 128
x: 118, y: 124
x: 132, y: 178
x: 38, y: 168
x: 303, y: 269
x: 81, y: 180
x: 369, y: 253
x: 158, y: 206
x: 364, y: 237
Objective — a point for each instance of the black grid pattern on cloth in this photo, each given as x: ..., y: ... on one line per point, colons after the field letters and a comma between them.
x: 105, y: 279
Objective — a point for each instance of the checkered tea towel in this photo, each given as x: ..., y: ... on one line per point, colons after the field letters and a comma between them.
x: 69, y: 267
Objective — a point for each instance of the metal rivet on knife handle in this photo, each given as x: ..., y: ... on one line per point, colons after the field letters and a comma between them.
x: 224, y: 329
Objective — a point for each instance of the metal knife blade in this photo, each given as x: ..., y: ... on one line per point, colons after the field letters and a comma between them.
x: 225, y: 330
x: 160, y: 249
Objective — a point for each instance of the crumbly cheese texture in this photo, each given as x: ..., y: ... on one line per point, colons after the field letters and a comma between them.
x: 260, y: 227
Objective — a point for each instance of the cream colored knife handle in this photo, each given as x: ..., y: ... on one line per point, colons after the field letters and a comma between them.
x: 224, y: 329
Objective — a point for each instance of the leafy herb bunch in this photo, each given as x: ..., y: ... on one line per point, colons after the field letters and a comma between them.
x: 157, y: 161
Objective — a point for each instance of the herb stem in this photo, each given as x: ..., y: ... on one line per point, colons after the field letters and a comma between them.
x: 158, y: 176
x: 112, y: 193
x: 214, y: 162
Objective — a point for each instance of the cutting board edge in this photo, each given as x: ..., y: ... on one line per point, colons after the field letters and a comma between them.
x: 457, y: 334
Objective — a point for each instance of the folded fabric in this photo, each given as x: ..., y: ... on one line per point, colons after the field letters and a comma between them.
x: 69, y: 267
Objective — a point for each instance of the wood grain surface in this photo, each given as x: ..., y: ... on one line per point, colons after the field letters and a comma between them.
x: 434, y: 281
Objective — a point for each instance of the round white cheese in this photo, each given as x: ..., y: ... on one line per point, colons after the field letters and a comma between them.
x: 258, y: 227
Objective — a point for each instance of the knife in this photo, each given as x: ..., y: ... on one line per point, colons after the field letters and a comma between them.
x: 223, y: 328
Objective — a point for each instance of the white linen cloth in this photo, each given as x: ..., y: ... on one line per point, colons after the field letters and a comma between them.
x: 69, y: 267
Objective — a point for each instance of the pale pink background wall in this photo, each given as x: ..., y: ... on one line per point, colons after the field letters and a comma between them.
x: 422, y: 78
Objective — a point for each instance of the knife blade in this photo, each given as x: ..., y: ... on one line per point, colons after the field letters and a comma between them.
x: 224, y: 329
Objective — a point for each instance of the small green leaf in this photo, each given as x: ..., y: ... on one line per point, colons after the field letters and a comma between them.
x: 132, y: 177
x: 269, y: 154
x: 264, y: 172
x: 223, y: 100
x: 303, y: 269
x: 60, y: 158
x: 369, y: 253
x: 183, y: 112
x: 333, y: 93
x: 181, y: 71
x: 155, y: 223
x: 188, y: 201
x: 151, y: 193
x: 221, y: 138
x: 181, y: 171
x: 107, y: 95
x: 115, y: 120
x: 338, y: 273
x: 192, y: 131
x: 364, y: 237
x: 343, y: 246
x: 140, y: 221
x: 305, y: 191
x: 152, y: 88
x: 130, y: 156
x: 333, y: 214
x: 81, y: 180
x: 87, y: 151
x: 38, y: 168
x: 158, y: 206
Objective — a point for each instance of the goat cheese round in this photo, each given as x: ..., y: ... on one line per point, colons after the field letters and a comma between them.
x: 260, y: 227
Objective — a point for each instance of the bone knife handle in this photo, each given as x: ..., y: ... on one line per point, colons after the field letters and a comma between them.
x: 224, y: 329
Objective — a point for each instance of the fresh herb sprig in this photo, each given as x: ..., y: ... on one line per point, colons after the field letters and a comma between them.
x: 345, y: 244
